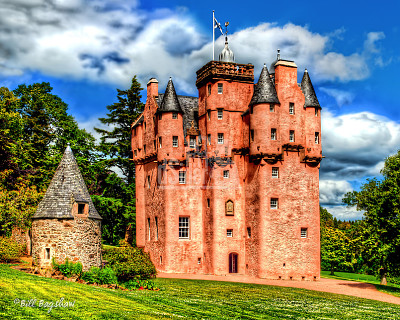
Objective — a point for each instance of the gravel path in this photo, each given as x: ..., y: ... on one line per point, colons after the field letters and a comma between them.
x: 350, y: 288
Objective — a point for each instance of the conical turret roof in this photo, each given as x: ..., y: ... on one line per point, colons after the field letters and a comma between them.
x: 226, y: 54
x: 308, y: 91
x: 264, y: 90
x: 170, y: 102
x: 66, y: 187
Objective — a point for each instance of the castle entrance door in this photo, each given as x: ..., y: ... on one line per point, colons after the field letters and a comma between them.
x: 233, y: 263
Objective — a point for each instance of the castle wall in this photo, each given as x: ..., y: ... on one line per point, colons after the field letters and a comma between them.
x: 77, y: 239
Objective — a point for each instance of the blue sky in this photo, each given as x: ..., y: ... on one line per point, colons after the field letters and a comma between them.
x: 87, y: 49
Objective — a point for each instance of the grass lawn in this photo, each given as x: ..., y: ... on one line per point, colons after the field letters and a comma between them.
x: 391, y: 288
x: 180, y: 299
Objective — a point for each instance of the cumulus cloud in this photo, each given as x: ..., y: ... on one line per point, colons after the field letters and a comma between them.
x: 331, y: 192
x: 110, y: 41
x: 345, y: 213
x: 342, y: 97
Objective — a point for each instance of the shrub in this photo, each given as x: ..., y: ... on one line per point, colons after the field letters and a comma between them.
x: 130, y: 263
x: 68, y: 268
x: 100, y: 276
x: 137, y: 284
x: 9, y: 249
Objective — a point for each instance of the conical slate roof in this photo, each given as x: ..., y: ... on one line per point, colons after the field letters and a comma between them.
x: 264, y: 90
x: 66, y: 187
x: 226, y: 54
x: 170, y: 102
x: 308, y: 91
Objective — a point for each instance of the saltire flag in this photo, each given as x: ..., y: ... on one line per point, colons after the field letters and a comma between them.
x: 218, y: 25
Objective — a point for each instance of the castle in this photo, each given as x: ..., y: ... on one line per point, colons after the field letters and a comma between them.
x: 227, y: 183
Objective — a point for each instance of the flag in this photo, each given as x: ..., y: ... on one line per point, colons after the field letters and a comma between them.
x: 218, y: 25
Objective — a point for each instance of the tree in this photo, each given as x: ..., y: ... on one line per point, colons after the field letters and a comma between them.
x: 380, y: 201
x: 116, y: 146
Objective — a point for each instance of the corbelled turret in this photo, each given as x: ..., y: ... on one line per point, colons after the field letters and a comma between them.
x: 264, y: 90
x: 309, y: 93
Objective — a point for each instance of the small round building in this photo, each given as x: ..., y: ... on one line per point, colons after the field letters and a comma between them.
x: 66, y: 224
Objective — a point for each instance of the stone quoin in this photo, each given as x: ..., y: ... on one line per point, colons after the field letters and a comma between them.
x: 66, y: 224
x: 228, y: 183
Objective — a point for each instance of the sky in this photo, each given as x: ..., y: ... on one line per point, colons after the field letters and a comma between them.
x: 87, y: 49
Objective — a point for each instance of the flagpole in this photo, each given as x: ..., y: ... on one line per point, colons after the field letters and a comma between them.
x: 213, y: 34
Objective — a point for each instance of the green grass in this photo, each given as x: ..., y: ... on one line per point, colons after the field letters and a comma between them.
x: 188, y: 299
x: 390, y: 288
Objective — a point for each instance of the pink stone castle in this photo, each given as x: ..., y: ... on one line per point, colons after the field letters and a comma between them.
x: 227, y: 183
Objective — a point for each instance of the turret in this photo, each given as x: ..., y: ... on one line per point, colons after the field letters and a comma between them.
x: 264, y: 116
x: 170, y: 138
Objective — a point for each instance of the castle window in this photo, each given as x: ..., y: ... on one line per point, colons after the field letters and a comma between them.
x: 160, y: 142
x: 154, y: 144
x: 156, y: 221
x: 248, y: 232
x: 160, y: 259
x: 274, y: 203
x: 316, y: 112
x: 148, y: 182
x: 47, y: 253
x: 220, y: 114
x: 192, y: 142
x: 291, y: 108
x: 81, y: 208
x: 175, y: 141
x: 220, y: 88
x: 291, y: 136
x: 275, y: 172
x: 174, y: 115
x: 271, y: 107
x: 198, y: 260
x: 148, y: 228
x: 182, y: 177
x: 251, y: 135
x: 160, y: 116
x: 135, y: 152
x: 209, y: 89
x: 184, y: 228
x: 145, y: 126
x: 317, y: 138
x: 229, y: 233
x: 273, y: 134
x: 144, y: 149
x: 208, y: 202
x: 226, y: 174
x: 303, y: 233
x: 220, y: 138
x: 209, y: 114
x: 209, y: 139
x: 229, y: 208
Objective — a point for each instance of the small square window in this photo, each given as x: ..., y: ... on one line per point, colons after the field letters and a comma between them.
x: 174, y: 115
x: 273, y: 134
x: 209, y: 139
x: 192, y: 142
x: 220, y: 114
x: 81, y: 208
x: 226, y: 173
x: 274, y: 203
x: 251, y: 135
x: 182, y: 177
x: 160, y: 142
x: 248, y: 232
x: 291, y: 136
x: 208, y: 202
x: 275, y: 172
x: 271, y: 107
x: 184, y: 228
x: 198, y: 260
x: 209, y: 89
x: 220, y: 138
x: 220, y: 88
x: 229, y: 233
x: 175, y: 141
x: 317, y: 138
x: 303, y: 232
x: 47, y: 253
x: 291, y: 108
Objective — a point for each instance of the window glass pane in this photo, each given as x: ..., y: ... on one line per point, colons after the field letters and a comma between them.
x: 220, y: 114
x: 274, y: 203
x: 220, y: 138
x: 303, y: 233
x: 273, y: 134
x: 275, y: 172
x: 220, y: 88
x: 182, y: 177
x: 183, y: 227
x: 175, y: 141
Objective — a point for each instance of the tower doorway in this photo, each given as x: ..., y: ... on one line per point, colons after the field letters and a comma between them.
x: 233, y: 263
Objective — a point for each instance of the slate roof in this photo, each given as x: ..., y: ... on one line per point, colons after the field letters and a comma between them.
x: 170, y: 102
x: 308, y: 91
x: 66, y: 187
x: 264, y: 90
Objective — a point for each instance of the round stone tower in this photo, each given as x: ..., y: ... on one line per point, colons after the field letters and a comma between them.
x: 66, y: 224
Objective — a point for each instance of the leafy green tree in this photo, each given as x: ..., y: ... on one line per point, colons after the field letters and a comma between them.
x: 380, y: 201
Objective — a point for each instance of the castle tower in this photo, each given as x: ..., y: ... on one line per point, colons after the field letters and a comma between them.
x: 66, y: 224
x: 240, y: 195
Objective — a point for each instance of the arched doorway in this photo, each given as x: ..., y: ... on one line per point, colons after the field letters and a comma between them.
x: 233, y: 263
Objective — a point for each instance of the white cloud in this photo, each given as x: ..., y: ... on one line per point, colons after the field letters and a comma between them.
x: 342, y: 97
x: 345, y: 213
x: 331, y: 192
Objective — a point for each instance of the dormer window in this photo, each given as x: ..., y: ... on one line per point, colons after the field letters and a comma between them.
x: 175, y: 115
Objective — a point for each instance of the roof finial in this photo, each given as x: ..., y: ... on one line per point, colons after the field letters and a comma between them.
x: 306, y: 70
x: 278, y: 56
